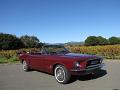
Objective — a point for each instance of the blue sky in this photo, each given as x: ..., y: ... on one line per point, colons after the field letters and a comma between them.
x: 59, y: 21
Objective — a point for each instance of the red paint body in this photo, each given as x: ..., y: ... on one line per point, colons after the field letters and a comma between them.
x: 47, y: 62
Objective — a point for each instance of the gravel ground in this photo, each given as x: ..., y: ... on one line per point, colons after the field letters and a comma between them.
x: 12, y: 77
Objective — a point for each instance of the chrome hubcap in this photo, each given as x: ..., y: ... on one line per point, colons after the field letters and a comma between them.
x: 59, y: 74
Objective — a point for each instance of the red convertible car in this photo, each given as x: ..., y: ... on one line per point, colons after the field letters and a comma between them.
x: 57, y: 60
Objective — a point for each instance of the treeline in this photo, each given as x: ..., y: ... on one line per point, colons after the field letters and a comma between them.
x: 94, y: 40
x: 9, y: 41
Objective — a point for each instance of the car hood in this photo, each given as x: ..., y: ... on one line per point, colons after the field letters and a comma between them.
x: 80, y: 56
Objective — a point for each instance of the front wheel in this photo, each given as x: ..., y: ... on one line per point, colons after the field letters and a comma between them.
x: 62, y: 75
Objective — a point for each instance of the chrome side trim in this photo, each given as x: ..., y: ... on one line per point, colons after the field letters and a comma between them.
x: 98, y: 66
x: 91, y: 66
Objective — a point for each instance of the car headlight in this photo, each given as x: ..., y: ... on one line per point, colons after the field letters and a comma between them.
x: 77, y: 65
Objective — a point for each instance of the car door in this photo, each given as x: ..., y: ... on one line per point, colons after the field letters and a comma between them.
x: 49, y: 60
x: 37, y: 61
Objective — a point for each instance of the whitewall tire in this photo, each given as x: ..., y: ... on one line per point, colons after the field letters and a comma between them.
x: 61, y: 74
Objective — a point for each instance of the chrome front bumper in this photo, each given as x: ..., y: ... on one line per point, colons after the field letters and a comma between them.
x: 89, y: 68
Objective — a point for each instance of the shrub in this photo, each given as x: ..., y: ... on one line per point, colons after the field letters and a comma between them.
x: 7, y: 56
x: 107, y: 51
x: 114, y: 40
x: 30, y: 41
x: 8, y: 41
x: 91, y: 41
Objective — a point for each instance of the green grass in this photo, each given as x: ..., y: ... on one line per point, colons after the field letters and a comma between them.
x: 13, y: 59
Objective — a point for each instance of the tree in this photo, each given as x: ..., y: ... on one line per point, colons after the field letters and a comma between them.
x: 30, y: 41
x: 92, y: 41
x: 9, y: 41
x: 114, y: 40
x: 102, y: 40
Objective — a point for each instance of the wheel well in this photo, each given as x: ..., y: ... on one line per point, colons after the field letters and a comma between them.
x: 55, y: 66
x: 22, y: 61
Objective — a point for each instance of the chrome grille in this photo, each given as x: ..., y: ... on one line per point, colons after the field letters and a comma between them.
x: 93, y: 62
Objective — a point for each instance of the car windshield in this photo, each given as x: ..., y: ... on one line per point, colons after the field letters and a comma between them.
x: 55, y: 49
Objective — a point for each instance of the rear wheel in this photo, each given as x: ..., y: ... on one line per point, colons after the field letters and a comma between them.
x: 62, y: 75
x: 25, y: 66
